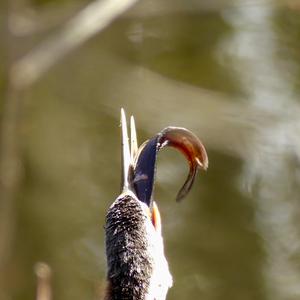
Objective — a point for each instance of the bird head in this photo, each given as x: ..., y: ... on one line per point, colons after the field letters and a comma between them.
x: 137, y: 266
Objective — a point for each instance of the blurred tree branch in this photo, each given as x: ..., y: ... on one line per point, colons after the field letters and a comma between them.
x: 9, y: 156
x: 43, y: 274
x: 88, y: 22
x: 21, y: 74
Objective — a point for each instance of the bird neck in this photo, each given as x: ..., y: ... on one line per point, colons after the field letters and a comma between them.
x: 130, y: 265
x: 137, y: 266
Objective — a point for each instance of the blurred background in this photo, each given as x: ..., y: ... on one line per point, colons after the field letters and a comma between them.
x: 227, y: 70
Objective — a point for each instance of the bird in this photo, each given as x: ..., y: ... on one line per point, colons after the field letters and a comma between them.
x: 137, y: 268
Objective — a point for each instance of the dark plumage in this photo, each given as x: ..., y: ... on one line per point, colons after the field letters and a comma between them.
x: 127, y: 248
x: 137, y: 266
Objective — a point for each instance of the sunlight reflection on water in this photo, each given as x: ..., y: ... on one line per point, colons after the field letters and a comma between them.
x: 274, y: 155
x: 218, y: 72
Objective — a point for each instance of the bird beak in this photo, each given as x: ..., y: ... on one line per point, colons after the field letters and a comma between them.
x: 128, y: 153
x: 139, y: 164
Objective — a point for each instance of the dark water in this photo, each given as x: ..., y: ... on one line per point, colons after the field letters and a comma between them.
x: 230, y: 74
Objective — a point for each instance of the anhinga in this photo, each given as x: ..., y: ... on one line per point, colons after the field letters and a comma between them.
x: 137, y: 266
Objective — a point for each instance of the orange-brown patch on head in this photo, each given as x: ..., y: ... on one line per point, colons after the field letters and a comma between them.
x: 156, y: 219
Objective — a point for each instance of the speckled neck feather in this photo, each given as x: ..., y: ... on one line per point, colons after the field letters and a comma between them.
x: 129, y: 263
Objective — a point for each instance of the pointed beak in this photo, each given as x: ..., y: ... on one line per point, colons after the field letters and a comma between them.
x: 128, y: 153
x: 126, y: 159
